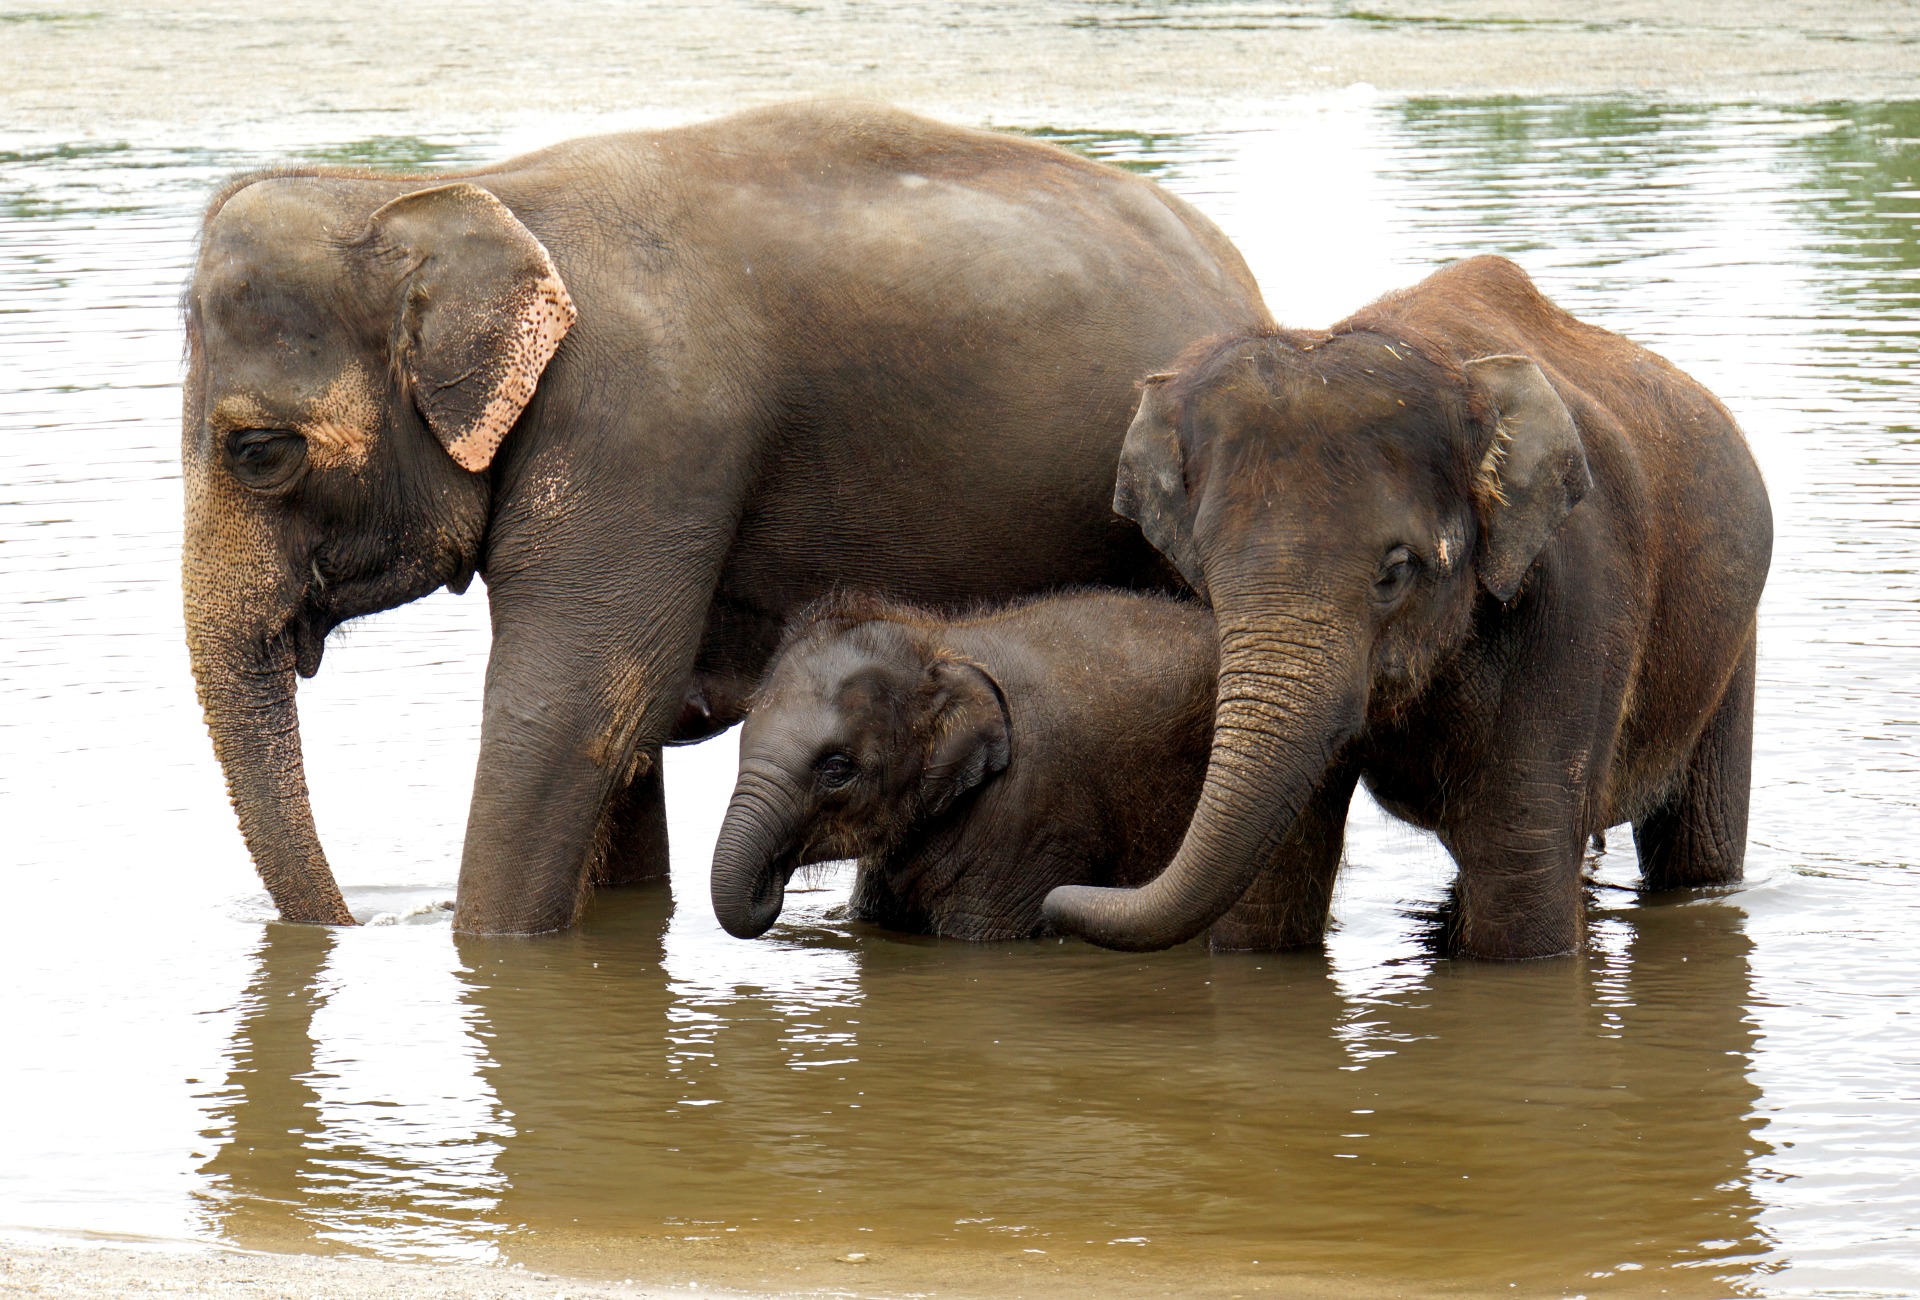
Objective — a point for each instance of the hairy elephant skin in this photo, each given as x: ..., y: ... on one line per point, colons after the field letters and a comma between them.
x: 662, y: 390
x: 971, y: 764
x: 1499, y: 563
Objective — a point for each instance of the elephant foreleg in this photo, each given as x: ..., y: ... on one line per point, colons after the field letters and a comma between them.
x: 572, y: 716
x: 634, y: 839
x: 1289, y: 903
x: 1519, y: 893
x: 1699, y: 836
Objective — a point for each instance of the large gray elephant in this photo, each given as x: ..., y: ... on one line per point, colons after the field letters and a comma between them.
x: 661, y: 390
x: 1500, y: 563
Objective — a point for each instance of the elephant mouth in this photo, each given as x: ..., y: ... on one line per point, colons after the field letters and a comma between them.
x: 308, y: 646
x: 331, y: 598
x: 305, y: 633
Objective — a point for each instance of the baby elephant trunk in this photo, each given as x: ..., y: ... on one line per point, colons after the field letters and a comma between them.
x: 756, y: 851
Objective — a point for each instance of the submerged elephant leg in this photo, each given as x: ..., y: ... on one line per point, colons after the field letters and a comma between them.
x: 1699, y: 836
x: 1518, y: 844
x: 567, y: 718
x: 1288, y: 903
x: 636, y: 848
x: 1518, y: 898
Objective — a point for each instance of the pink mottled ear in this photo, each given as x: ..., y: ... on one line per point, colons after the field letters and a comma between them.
x: 482, y: 312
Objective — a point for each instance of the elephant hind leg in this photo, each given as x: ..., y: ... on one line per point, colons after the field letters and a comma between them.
x: 1699, y: 836
x: 633, y: 835
x: 1289, y: 902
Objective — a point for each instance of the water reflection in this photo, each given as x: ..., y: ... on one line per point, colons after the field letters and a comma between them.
x: 349, y: 1125
x: 267, y: 1117
x: 1030, y: 1108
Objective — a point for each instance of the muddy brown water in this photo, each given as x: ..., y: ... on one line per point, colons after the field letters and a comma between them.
x: 1719, y: 1096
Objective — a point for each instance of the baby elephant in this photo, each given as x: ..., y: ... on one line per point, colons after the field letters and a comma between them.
x: 972, y: 764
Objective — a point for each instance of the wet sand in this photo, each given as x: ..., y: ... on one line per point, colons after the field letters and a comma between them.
x: 63, y: 1271
x: 77, y: 67
x: 97, y: 1269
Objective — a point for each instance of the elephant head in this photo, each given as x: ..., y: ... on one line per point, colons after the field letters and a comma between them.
x: 864, y: 731
x: 1343, y: 501
x: 356, y: 353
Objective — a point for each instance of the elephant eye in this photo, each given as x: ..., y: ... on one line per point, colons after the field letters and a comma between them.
x: 265, y: 458
x: 836, y: 770
x: 1398, y: 568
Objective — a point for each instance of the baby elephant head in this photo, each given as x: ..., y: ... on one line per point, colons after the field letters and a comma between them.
x: 864, y: 732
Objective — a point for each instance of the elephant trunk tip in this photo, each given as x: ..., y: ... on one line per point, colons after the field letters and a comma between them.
x: 326, y: 913
x: 1110, y: 918
x: 750, y: 911
x: 750, y: 919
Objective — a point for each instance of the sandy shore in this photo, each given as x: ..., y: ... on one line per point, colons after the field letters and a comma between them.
x: 57, y: 1271
x: 70, y: 1271
x: 83, y: 67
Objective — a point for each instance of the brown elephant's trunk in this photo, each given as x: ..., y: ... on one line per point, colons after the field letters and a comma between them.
x: 754, y: 855
x: 1287, y: 701
x: 247, y: 693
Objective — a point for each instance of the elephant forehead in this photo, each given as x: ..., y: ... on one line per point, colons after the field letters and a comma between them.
x: 1355, y: 428
x: 313, y: 396
x: 270, y: 335
x: 1348, y: 401
x: 285, y: 220
x: 864, y: 694
x: 264, y: 351
x: 274, y: 278
x: 781, y: 731
x: 260, y: 257
x: 268, y: 316
x: 820, y: 699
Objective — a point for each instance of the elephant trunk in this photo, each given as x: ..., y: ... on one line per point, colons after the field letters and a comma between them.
x: 244, y: 638
x: 1287, y: 700
x: 756, y: 852
x: 247, y: 694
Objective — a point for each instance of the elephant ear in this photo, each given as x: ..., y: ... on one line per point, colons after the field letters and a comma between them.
x: 483, y: 311
x: 1533, y: 475
x: 971, y: 732
x: 1151, y: 485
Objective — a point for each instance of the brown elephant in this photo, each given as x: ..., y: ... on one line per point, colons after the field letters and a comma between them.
x: 969, y: 764
x: 1500, y: 563
x: 662, y: 390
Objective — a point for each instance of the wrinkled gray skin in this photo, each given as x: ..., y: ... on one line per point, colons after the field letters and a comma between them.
x: 662, y: 390
x: 1500, y: 563
x: 970, y: 765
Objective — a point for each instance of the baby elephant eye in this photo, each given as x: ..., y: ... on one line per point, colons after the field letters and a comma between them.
x: 836, y: 771
x: 265, y: 457
x: 1398, y: 568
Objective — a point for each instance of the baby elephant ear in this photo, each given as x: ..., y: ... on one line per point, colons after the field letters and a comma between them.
x: 482, y: 312
x: 1533, y: 475
x: 972, y: 735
